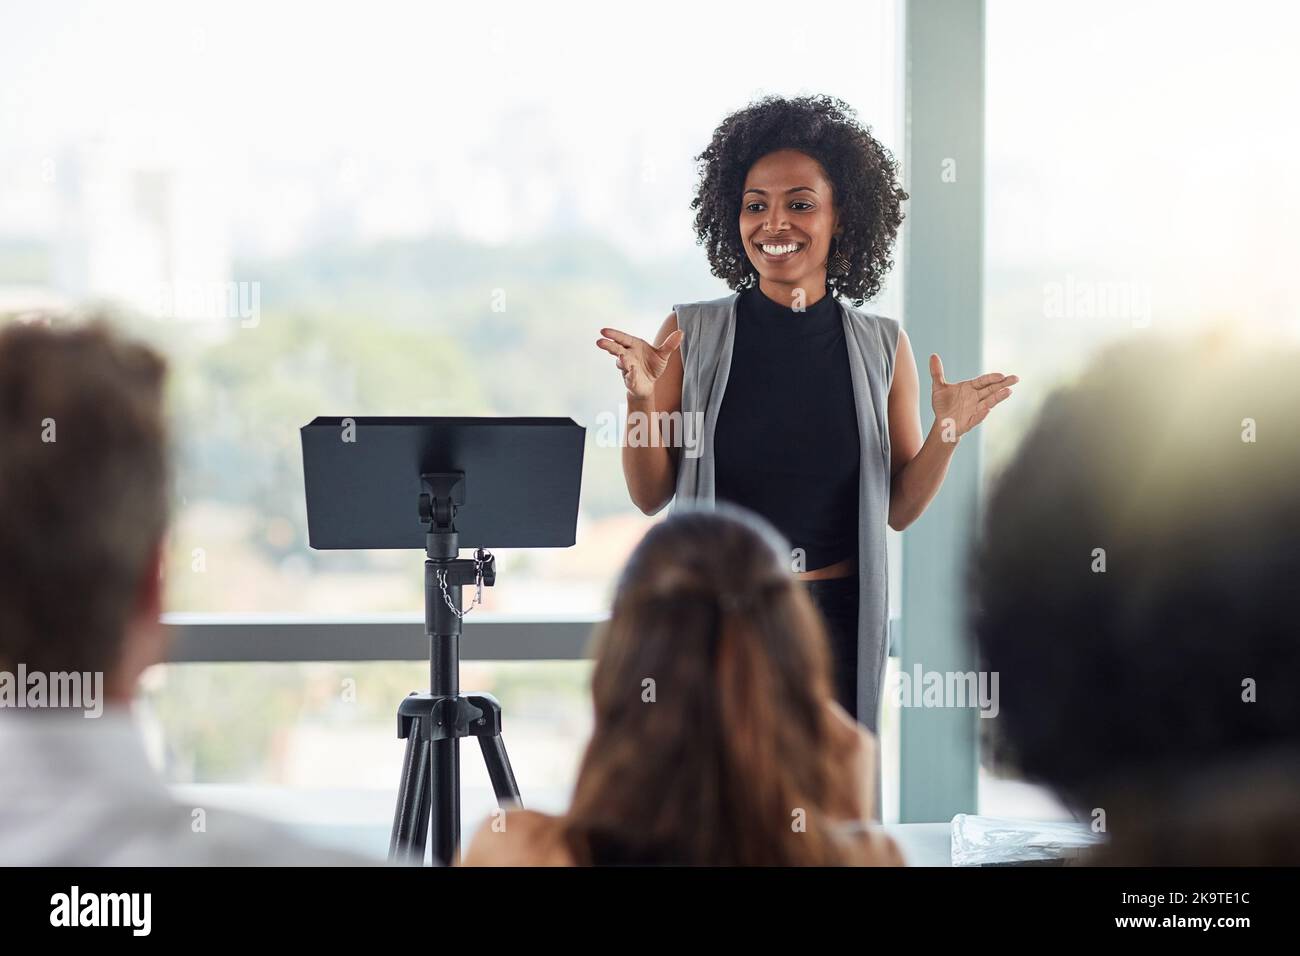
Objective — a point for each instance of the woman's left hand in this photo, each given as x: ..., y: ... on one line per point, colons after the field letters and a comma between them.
x: 965, y: 404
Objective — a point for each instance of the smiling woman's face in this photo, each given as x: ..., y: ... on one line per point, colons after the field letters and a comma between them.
x: 787, y: 219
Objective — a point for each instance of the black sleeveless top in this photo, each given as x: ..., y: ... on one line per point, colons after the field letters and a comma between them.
x: 786, y: 440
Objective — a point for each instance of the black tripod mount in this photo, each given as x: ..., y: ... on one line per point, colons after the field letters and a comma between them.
x: 432, y: 724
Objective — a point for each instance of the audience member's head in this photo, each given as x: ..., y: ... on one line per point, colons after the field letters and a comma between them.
x: 713, y: 740
x: 83, y: 502
x: 1135, y: 581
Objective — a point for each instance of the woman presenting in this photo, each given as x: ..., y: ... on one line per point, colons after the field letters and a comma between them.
x: 807, y: 406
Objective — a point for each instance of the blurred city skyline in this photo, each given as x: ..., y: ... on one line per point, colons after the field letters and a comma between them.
x: 256, y: 134
x: 370, y: 178
x: 493, y: 126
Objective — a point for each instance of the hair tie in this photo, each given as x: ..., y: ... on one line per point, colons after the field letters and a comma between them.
x: 738, y: 601
x: 733, y: 603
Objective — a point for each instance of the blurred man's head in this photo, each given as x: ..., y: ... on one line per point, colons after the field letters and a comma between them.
x: 1137, y: 585
x: 83, y: 502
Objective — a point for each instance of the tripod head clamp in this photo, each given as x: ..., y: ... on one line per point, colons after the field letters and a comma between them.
x: 440, y: 495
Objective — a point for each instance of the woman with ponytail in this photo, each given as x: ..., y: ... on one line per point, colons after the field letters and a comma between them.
x: 716, y: 739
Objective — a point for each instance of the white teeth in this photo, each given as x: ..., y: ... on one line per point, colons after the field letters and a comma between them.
x: 779, y: 250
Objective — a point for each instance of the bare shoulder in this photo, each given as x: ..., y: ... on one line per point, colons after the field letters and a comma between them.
x: 518, y: 838
x: 668, y: 328
x: 905, y: 378
x: 668, y: 390
x: 877, y: 848
x: 903, y: 341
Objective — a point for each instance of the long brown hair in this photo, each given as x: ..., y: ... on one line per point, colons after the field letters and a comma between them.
x: 712, y: 742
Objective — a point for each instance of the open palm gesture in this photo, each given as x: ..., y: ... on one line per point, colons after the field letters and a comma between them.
x: 967, y: 403
x: 639, y: 361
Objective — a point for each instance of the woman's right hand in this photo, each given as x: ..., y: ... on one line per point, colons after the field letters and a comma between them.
x: 640, y: 362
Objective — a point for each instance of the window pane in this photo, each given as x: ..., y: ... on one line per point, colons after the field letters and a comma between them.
x: 395, y: 209
x: 316, y: 744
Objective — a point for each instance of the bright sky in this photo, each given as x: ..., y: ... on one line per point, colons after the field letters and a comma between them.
x: 474, y: 122
x: 1155, y: 139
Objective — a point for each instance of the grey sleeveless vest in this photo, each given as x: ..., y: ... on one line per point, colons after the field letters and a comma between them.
x: 710, y: 329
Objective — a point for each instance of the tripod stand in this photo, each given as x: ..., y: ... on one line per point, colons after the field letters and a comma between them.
x: 433, y: 724
x: 361, y: 477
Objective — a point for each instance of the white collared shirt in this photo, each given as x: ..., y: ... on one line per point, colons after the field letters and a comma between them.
x: 81, y: 792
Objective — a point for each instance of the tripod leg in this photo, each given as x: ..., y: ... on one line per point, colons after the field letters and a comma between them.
x: 422, y: 818
x: 411, y: 819
x: 499, y: 771
x: 444, y: 824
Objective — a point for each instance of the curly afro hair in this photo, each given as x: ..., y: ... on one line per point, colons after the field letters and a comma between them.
x: 863, y: 176
x: 1115, y: 675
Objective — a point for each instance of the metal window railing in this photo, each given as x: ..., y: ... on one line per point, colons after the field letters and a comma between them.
x: 252, y: 638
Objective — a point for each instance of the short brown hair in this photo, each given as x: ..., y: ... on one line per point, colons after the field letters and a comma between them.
x: 83, y: 490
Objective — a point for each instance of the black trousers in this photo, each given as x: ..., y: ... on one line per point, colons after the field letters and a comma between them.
x: 837, y: 599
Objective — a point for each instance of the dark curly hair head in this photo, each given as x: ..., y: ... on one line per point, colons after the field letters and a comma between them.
x: 1136, y: 575
x: 862, y: 173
